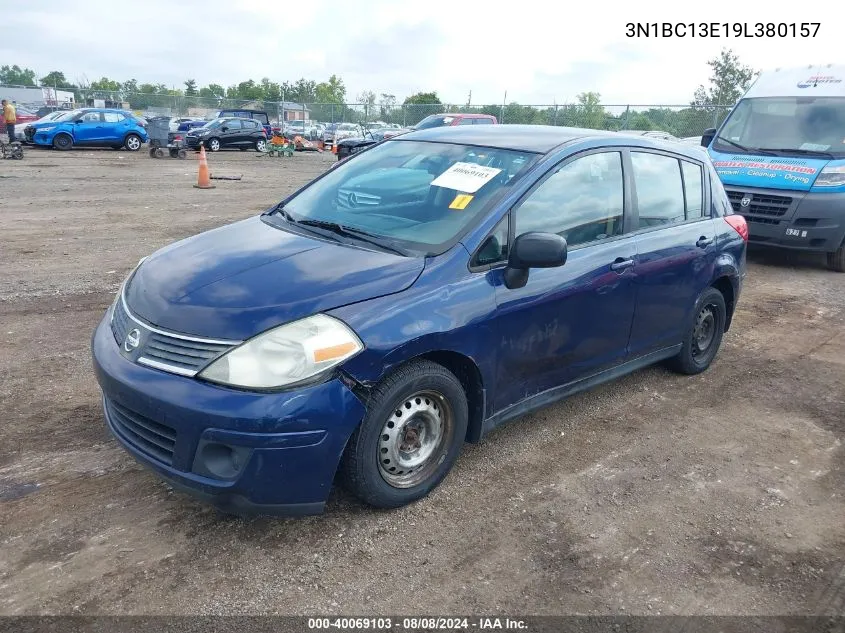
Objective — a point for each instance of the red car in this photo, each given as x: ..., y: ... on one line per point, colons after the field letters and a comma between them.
x: 443, y: 120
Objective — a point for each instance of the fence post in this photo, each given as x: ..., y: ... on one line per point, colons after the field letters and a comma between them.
x: 404, y: 116
x: 627, y: 114
x: 555, y: 118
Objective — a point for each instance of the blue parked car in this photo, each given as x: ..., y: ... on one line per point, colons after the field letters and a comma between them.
x: 412, y: 298
x: 90, y: 127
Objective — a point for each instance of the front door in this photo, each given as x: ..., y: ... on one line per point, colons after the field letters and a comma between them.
x: 676, y: 246
x: 88, y: 128
x: 233, y: 134
x: 573, y: 321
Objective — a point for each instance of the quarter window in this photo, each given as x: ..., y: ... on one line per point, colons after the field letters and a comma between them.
x: 693, y: 190
x: 582, y: 201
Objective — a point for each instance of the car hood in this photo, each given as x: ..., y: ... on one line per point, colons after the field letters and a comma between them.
x: 238, y: 280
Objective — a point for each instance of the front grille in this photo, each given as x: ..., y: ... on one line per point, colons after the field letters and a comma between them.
x: 119, y: 322
x: 753, y: 220
x: 151, y: 438
x: 192, y: 141
x: 187, y: 355
x: 168, y: 351
x: 761, y: 204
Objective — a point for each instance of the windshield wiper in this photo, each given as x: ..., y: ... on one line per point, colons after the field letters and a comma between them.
x: 750, y: 150
x: 804, y: 152
x: 357, y: 234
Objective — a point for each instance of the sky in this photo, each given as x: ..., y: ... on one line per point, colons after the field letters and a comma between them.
x: 533, y: 52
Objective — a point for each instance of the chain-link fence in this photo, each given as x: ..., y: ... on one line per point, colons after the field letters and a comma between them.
x: 678, y: 120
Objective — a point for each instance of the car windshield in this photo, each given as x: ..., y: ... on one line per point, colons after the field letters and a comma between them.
x: 413, y: 195
x: 437, y: 120
x: 800, y: 124
x: 213, y: 123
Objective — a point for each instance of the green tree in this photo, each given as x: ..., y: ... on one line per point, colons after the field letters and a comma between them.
x: 56, y: 79
x: 17, y: 76
x: 130, y: 86
x: 190, y: 88
x: 387, y: 107
x: 728, y: 81
x: 331, y: 91
x: 213, y: 91
x: 417, y: 106
x: 588, y: 112
x: 367, y: 99
x: 104, y: 84
x: 302, y: 91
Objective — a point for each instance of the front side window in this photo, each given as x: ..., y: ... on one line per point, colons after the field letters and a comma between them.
x: 232, y: 124
x: 483, y: 121
x: 91, y: 117
x: 417, y: 195
x: 583, y: 201
x: 660, y: 194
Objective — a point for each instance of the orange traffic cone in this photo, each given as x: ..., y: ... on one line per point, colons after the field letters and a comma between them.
x: 334, y: 147
x: 203, y: 177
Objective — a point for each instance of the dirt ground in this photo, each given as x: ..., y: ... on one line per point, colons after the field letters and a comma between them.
x: 656, y: 494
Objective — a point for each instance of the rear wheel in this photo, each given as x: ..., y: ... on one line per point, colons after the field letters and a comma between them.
x: 63, y: 142
x: 410, y: 438
x: 836, y: 260
x: 133, y: 142
x: 704, y: 335
x: 182, y: 154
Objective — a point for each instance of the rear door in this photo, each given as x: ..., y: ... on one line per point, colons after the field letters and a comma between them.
x: 675, y: 244
x: 115, y: 127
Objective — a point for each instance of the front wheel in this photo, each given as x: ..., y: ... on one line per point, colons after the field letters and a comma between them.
x: 836, y: 260
x: 63, y: 142
x: 133, y: 143
x: 214, y: 144
x: 409, y: 440
x: 260, y: 145
x: 704, y: 336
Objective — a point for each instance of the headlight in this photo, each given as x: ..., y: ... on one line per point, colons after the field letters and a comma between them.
x: 46, y: 129
x: 831, y: 176
x: 286, y: 355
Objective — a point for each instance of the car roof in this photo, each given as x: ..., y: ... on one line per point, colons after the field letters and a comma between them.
x: 540, y: 139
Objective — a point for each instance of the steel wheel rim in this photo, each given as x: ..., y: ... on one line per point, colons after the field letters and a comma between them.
x: 413, y: 440
x: 133, y: 143
x: 704, y: 332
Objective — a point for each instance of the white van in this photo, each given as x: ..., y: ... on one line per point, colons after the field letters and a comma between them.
x: 781, y: 156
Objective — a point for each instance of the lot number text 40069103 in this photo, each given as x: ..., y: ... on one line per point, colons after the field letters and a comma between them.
x: 722, y: 29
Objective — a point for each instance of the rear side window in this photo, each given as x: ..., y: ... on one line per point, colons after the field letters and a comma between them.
x: 660, y: 192
x: 693, y: 190
x: 483, y: 121
x: 465, y: 121
x: 261, y: 117
x: 113, y: 117
x: 583, y: 201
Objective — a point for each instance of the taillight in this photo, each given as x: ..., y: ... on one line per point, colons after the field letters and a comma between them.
x: 177, y: 138
x: 739, y: 224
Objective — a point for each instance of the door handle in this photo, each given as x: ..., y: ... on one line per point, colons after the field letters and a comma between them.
x: 620, y: 264
x: 704, y: 241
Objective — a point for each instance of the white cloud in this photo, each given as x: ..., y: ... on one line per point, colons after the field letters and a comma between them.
x: 539, y: 52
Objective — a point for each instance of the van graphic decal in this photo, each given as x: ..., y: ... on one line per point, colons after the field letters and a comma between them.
x: 818, y: 79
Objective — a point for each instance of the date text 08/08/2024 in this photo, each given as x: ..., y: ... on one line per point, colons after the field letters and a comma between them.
x: 417, y: 623
x: 722, y: 29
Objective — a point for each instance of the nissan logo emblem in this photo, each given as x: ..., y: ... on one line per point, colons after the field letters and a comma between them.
x: 132, y: 340
x: 746, y: 200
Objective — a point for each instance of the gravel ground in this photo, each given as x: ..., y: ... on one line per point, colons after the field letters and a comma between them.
x: 656, y: 494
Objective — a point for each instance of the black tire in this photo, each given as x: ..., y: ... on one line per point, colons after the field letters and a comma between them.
x: 132, y: 142
x: 213, y: 144
x: 159, y: 152
x: 153, y: 152
x: 182, y: 154
x: 704, y: 335
x: 436, y: 400
x: 836, y: 260
x: 174, y: 153
x: 63, y: 142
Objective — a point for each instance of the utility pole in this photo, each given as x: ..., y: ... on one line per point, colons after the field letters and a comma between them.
x: 504, y: 101
x: 469, y: 99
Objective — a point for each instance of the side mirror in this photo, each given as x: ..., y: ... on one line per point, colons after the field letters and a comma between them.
x: 533, y: 250
x: 224, y: 129
x: 707, y: 137
x: 78, y: 121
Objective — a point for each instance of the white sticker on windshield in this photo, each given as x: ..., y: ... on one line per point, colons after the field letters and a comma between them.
x: 813, y: 147
x: 465, y: 177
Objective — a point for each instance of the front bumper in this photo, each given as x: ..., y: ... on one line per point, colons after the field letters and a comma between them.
x: 796, y: 220
x: 243, y: 452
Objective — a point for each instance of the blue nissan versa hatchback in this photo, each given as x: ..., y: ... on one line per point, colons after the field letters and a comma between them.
x: 410, y: 299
